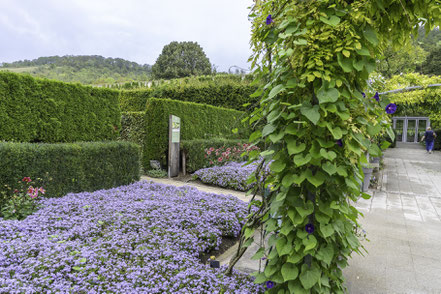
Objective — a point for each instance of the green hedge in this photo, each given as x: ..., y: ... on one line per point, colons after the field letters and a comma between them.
x: 37, y: 110
x: 134, y: 100
x: 133, y: 127
x: 232, y: 96
x: 437, y: 144
x: 73, y: 167
x: 195, y: 150
x: 198, y: 121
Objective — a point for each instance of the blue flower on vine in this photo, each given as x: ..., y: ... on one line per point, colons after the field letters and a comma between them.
x: 377, y: 96
x: 269, y: 284
x: 309, y: 228
x: 391, y: 108
x: 269, y: 20
x: 363, y: 94
x: 339, y: 142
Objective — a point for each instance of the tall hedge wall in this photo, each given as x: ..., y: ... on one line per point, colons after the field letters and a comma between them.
x: 37, y: 110
x: 232, y: 96
x: 198, y: 121
x: 73, y: 167
x: 133, y: 127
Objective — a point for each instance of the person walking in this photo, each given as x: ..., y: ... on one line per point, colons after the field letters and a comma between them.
x: 429, y: 136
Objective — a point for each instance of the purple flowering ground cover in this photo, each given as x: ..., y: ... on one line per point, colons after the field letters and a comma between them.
x: 232, y: 175
x: 140, y: 238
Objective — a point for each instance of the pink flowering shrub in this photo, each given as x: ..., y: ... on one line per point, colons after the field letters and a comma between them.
x: 224, y: 154
x: 22, y: 202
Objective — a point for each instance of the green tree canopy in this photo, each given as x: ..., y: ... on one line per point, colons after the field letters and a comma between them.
x: 181, y: 59
x: 404, y: 60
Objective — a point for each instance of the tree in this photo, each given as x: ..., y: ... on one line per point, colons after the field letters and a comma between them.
x: 181, y: 59
x: 432, y: 65
x: 404, y: 60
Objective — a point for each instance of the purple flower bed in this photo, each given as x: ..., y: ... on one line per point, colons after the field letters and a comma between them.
x: 141, y: 238
x: 232, y: 175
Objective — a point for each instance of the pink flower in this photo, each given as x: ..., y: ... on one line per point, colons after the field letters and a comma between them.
x: 212, y: 149
x: 42, y: 190
x: 228, y: 149
x: 27, y: 179
x: 219, y: 159
x: 211, y: 162
x: 208, y: 152
x: 31, y: 190
x: 15, y: 191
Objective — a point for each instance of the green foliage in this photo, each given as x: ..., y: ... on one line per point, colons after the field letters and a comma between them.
x: 134, y: 100
x: 313, y: 59
x: 156, y: 173
x: 432, y: 65
x: 404, y: 60
x: 35, y: 110
x: 437, y: 144
x: 227, y: 94
x: 73, y: 167
x: 195, y: 150
x: 198, y: 121
x: 92, y: 69
x: 181, y: 59
x: 133, y: 127
x: 424, y: 102
x: 21, y: 202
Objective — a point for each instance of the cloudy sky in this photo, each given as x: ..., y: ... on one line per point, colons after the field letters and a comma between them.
x: 135, y: 30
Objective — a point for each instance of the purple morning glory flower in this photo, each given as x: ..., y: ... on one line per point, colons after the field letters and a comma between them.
x: 269, y: 20
x: 363, y: 94
x: 391, y: 108
x: 339, y: 142
x: 269, y: 284
x: 309, y: 228
x: 377, y: 96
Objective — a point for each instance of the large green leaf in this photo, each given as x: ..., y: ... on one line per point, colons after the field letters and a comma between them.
x: 311, y: 113
x: 370, y: 35
x: 310, y: 242
x: 309, y: 276
x: 329, y: 95
x: 294, y: 149
x: 300, y: 160
x: 268, y: 129
x: 329, y: 168
x: 327, y: 230
x: 345, y: 63
x: 318, y: 179
x: 289, y: 271
x: 332, y: 21
x: 276, y: 90
x: 277, y: 166
x: 327, y: 253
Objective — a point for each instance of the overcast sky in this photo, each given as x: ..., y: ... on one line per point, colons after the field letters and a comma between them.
x: 135, y: 30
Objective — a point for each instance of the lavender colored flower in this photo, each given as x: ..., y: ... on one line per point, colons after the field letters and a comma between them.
x: 140, y: 238
x: 376, y: 96
x: 309, y: 228
x: 339, y: 142
x: 233, y: 175
x: 269, y: 20
x: 269, y: 284
x: 391, y: 108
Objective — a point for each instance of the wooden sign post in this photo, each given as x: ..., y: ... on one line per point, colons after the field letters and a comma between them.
x: 174, y: 135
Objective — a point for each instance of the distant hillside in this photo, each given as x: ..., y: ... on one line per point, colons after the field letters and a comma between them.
x: 93, y: 69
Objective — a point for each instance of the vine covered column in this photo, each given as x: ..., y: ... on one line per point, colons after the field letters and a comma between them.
x: 312, y: 60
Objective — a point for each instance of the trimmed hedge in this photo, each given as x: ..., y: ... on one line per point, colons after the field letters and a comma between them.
x: 73, y: 167
x: 198, y: 121
x: 195, y: 150
x: 134, y: 100
x: 133, y: 127
x: 232, y: 96
x: 37, y: 110
x: 437, y: 144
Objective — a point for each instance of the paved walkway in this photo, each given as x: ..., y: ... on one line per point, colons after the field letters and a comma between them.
x: 403, y: 223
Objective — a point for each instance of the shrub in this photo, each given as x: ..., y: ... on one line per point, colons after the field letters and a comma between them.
x: 73, y: 167
x: 198, y: 121
x: 233, y: 175
x: 437, y: 145
x: 227, y: 95
x: 141, y: 238
x: 134, y: 100
x: 200, y: 152
x: 37, y: 110
x: 133, y: 127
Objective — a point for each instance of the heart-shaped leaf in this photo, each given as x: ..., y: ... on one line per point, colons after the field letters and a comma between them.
x: 309, y: 276
x: 294, y: 149
x: 277, y: 166
x: 311, y: 113
x: 329, y: 95
x: 332, y: 21
x: 317, y: 179
x: 289, y: 271
x: 329, y: 168
x: 300, y: 160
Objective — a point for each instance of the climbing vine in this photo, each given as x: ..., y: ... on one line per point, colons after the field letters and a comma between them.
x: 312, y: 60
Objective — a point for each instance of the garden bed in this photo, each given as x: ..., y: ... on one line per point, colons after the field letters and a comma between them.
x: 142, y: 237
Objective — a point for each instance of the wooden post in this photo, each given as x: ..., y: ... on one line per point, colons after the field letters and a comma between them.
x: 173, y: 145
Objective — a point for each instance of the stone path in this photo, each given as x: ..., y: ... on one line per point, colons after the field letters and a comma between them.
x: 403, y: 224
